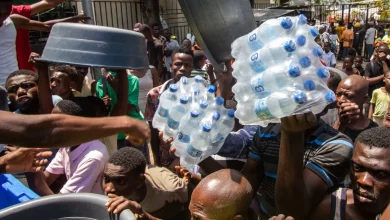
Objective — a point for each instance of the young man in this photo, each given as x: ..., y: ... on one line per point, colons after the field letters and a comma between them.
x: 22, y: 88
x: 380, y: 101
x: 328, y: 56
x: 82, y: 164
x: 23, y: 49
x: 157, y: 34
x: 298, y: 160
x: 348, y: 65
x: 213, y: 197
x: 347, y: 37
x: 375, y: 70
x: 147, y: 190
x: 182, y: 65
x: 370, y: 38
x: 154, y: 47
x: 200, y: 62
x: 339, y: 30
x: 370, y: 175
x: 170, y: 47
x: 62, y: 80
x: 359, y: 70
x: 351, y: 95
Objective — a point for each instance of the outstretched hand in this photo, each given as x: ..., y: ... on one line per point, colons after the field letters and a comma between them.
x: 183, y: 173
x: 25, y: 160
x: 139, y: 134
x: 40, y: 66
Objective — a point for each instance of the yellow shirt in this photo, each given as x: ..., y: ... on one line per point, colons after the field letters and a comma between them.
x: 339, y: 32
x: 381, y: 101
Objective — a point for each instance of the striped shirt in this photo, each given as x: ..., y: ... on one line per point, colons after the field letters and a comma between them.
x: 327, y: 154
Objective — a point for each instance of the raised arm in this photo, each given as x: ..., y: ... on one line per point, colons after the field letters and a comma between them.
x: 44, y: 5
x: 44, y: 92
x: 120, y: 107
x: 294, y: 183
x: 21, y: 22
x: 59, y: 130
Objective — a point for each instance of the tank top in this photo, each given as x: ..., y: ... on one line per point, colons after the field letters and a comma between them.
x: 338, y: 204
x: 145, y: 85
x: 8, y: 60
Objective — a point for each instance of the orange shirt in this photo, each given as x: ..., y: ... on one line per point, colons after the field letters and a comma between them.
x: 339, y: 31
x: 348, y: 36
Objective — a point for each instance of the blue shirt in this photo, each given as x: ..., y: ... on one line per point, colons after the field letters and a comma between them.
x: 329, y: 59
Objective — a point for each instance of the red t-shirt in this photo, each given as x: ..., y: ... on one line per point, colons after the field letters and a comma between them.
x: 23, y: 48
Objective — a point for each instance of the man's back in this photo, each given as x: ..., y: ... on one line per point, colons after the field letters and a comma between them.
x: 370, y: 35
x: 163, y: 187
x: 347, y: 36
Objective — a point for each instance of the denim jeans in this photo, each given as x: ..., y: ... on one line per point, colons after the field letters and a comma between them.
x: 345, y: 51
x: 370, y: 50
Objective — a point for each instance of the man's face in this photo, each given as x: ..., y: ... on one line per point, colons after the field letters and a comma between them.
x: 326, y: 48
x: 60, y: 84
x: 370, y: 176
x: 118, y: 182
x: 156, y: 31
x: 347, y: 63
x: 23, y: 90
x: 387, y: 80
x: 348, y: 93
x: 383, y: 49
x: 167, y: 34
x: 187, y: 43
x: 5, y: 10
x: 358, y: 62
x: 200, y: 208
x: 182, y: 65
x: 386, y: 120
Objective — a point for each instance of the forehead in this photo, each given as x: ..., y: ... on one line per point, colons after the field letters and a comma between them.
x: 59, y: 75
x: 20, y: 79
x: 347, y: 60
x: 372, y: 157
x: 114, y: 170
x: 346, y: 84
x: 383, y: 48
x: 182, y: 57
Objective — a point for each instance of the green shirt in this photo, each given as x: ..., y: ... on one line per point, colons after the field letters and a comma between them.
x: 381, y: 101
x: 132, y: 96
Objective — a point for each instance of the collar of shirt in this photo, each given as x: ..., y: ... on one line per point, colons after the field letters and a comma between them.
x: 75, y: 154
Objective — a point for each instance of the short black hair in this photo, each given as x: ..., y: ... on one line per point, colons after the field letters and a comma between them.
x: 352, y: 52
x: 145, y: 28
x: 359, y: 57
x: 327, y: 43
x: 71, y: 71
x: 198, y: 56
x: 23, y: 73
x: 68, y: 107
x: 375, y: 137
x: 349, y: 57
x: 334, y: 79
x: 130, y: 159
x: 87, y: 107
x: 98, y: 104
x: 183, y: 49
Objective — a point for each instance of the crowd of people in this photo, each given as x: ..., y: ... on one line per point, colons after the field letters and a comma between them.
x: 63, y: 131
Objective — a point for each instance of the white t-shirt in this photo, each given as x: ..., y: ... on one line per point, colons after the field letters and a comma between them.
x: 8, y: 60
